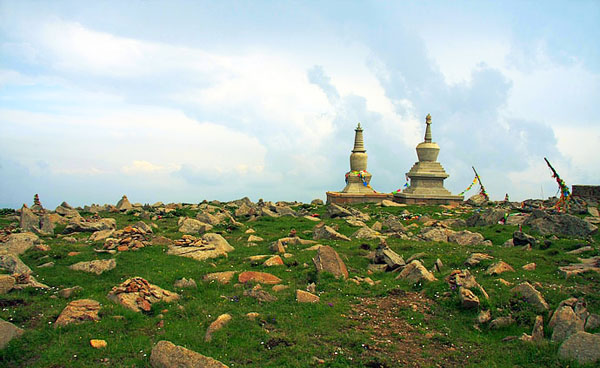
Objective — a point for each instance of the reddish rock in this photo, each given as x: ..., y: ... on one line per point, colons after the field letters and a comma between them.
x: 79, y: 311
x: 306, y: 297
x: 260, y: 277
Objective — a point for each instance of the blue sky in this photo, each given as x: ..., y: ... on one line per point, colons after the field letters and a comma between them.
x: 185, y: 101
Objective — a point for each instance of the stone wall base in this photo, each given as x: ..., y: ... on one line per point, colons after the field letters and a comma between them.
x: 352, y: 198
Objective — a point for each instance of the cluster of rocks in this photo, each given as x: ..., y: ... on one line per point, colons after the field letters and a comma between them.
x: 138, y: 294
x: 131, y: 237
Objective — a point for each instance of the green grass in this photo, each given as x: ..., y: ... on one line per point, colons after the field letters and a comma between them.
x: 287, y: 334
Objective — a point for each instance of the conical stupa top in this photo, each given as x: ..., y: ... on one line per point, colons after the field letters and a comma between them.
x: 359, y: 143
x: 428, y: 129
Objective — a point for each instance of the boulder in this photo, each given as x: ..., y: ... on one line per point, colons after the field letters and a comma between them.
x: 582, y: 346
x: 498, y: 268
x: 566, y: 224
x: 333, y: 210
x: 592, y: 322
x: 209, y: 246
x: 216, y: 325
x: 97, y: 266
x: 8, y: 331
x: 258, y: 277
x: 477, y: 200
x: 90, y: 226
x: 101, y: 235
x: 165, y: 354
x: 434, y: 234
x: 531, y: 296
x: 194, y: 227
x: 138, y: 294
x: 124, y: 204
x: 487, y: 217
x: 46, y: 225
x: 254, y: 239
x: 78, y: 311
x: 317, y: 202
x: 484, y: 317
x: 520, y: 238
x: 306, y: 297
x: 29, y: 221
x: 366, y: 233
x: 13, y: 264
x: 529, y: 267
x: 327, y: 260
x: 7, y: 282
x: 385, y: 255
x: 564, y: 323
x: 415, y: 272
x: 209, y: 218
x: 393, y: 225
x: 501, y: 322
x: 18, y: 243
x: 322, y: 231
x: 465, y: 237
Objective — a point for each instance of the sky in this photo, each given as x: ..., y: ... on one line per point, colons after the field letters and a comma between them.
x: 181, y: 101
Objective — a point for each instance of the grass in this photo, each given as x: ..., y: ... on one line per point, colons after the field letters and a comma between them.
x: 287, y: 334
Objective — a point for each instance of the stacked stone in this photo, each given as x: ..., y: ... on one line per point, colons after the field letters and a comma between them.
x: 129, y: 238
x: 37, y: 205
x: 191, y: 241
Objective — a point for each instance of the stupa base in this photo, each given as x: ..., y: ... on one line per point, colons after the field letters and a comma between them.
x: 409, y: 198
x: 352, y: 198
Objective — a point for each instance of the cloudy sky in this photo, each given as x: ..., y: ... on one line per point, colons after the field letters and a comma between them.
x: 185, y: 100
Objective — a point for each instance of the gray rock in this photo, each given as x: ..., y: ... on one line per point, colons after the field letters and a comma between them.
x: 333, y: 210
x: 366, y: 233
x: 565, y: 224
x: 565, y: 323
x: 13, y: 264
x: 393, y: 225
x: 19, y: 243
x: 487, y: 217
x: 415, y: 272
x: 124, y: 204
x: 592, y: 322
x: 28, y: 220
x: 476, y: 258
x: 465, y: 237
x: 7, y: 282
x: 477, y: 200
x: 168, y: 355
x: 532, y: 296
x: 468, y: 300
x: 8, y: 331
x: 322, y: 231
x: 582, y: 346
x: 385, y: 255
x: 185, y: 283
x: 68, y: 292
x: 90, y: 227
x: 194, y: 227
x: 317, y: 202
x: 46, y: 225
x: 97, y: 266
x: 435, y: 234
x: 520, y: 238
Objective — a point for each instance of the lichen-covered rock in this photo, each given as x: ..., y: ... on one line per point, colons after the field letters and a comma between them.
x: 19, y: 243
x: 582, y: 346
x: 8, y: 331
x: 221, y: 277
x: 209, y: 246
x: 90, y: 226
x: 97, y: 266
x: 165, y: 354
x: 258, y: 277
x: 565, y: 323
x: 306, y: 297
x: 194, y: 227
x: 465, y: 237
x: 78, y: 311
x: 476, y: 258
x: 531, y: 296
x: 498, y: 268
x: 468, y: 300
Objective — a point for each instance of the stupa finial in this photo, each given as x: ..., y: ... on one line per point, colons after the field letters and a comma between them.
x: 428, y: 129
x: 359, y: 143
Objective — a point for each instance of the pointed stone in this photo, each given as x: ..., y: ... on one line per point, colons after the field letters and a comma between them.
x: 327, y: 260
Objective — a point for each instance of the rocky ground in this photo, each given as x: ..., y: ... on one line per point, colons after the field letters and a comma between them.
x: 215, y: 284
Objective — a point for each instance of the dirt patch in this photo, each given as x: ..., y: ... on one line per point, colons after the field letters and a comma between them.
x: 399, y: 333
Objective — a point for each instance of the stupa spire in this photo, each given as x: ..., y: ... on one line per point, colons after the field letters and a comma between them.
x: 428, y: 129
x: 359, y: 143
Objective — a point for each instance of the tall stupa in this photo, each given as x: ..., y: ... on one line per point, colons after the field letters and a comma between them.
x: 427, y: 176
x: 358, y: 179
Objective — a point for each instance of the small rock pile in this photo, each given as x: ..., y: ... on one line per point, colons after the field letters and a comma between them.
x: 191, y: 241
x: 138, y: 294
x: 129, y: 238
